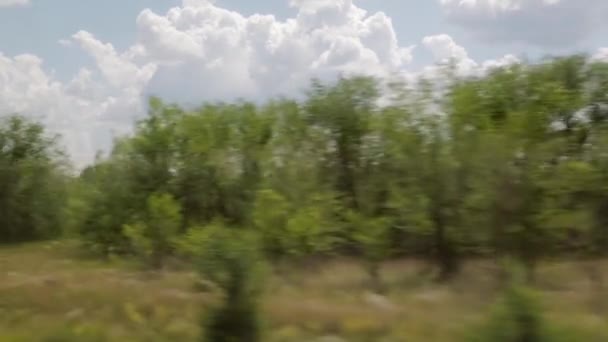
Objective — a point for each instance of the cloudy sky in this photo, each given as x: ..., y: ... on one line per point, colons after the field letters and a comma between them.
x: 85, y: 68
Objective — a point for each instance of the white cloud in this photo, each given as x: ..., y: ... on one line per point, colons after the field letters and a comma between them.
x: 601, y: 55
x: 503, y: 61
x: 495, y: 7
x: 216, y: 53
x: 86, y: 111
x: 445, y: 50
x: 65, y: 42
x: 544, y: 23
x: 442, y: 46
x: 118, y: 70
x: 199, y: 51
x: 25, y: 88
x: 11, y: 3
x: 195, y: 52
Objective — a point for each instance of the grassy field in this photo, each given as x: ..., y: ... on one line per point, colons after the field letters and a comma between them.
x: 48, y: 292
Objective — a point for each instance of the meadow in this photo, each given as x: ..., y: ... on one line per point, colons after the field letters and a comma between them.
x: 52, y: 292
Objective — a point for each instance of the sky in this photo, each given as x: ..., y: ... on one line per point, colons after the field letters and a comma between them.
x: 86, y: 68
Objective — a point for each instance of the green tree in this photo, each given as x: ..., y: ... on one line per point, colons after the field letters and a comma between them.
x: 109, y: 202
x: 33, y: 178
x: 153, y: 234
x: 297, y: 230
x: 508, y: 162
x: 372, y: 236
x: 343, y: 110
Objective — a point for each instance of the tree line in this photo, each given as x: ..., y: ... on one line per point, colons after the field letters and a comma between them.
x: 510, y: 163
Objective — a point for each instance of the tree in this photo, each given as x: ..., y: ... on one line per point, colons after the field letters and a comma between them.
x: 343, y: 110
x: 109, y: 202
x: 508, y: 162
x: 372, y: 235
x: 296, y: 230
x: 32, y: 182
x: 152, y: 235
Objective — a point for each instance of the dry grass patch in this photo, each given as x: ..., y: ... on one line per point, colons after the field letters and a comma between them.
x: 49, y: 289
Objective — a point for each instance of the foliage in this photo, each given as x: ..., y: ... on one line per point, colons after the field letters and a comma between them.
x: 32, y: 182
x: 296, y: 230
x: 373, y: 237
x: 510, y: 162
x: 107, y: 204
x: 152, y: 235
x: 236, y: 320
x: 230, y: 259
x: 518, y: 317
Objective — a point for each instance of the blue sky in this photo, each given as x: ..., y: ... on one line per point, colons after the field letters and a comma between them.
x: 114, y: 53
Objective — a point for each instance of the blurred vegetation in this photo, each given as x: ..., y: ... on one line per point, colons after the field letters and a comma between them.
x: 32, y: 182
x: 50, y: 291
x: 230, y: 261
x: 509, y: 164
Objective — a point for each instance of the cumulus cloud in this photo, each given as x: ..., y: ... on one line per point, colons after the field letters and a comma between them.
x: 195, y: 52
x: 443, y: 47
x: 199, y: 51
x: 118, y: 70
x: 216, y: 53
x: 445, y: 50
x: 27, y: 89
x: 601, y: 55
x: 11, y: 3
x: 544, y: 23
x: 88, y: 110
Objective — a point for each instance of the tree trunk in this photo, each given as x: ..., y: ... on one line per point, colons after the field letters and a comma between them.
x: 445, y: 253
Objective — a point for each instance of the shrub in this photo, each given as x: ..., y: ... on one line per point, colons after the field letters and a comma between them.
x: 517, y: 317
x: 230, y: 259
x: 152, y: 236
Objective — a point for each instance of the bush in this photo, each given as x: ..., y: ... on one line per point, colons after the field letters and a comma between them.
x: 518, y: 317
x: 235, y: 320
x: 152, y: 236
x: 230, y: 259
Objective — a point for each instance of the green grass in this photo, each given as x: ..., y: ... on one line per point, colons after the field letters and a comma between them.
x: 49, y: 292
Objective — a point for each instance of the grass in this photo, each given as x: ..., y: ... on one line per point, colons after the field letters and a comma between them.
x: 48, y: 292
